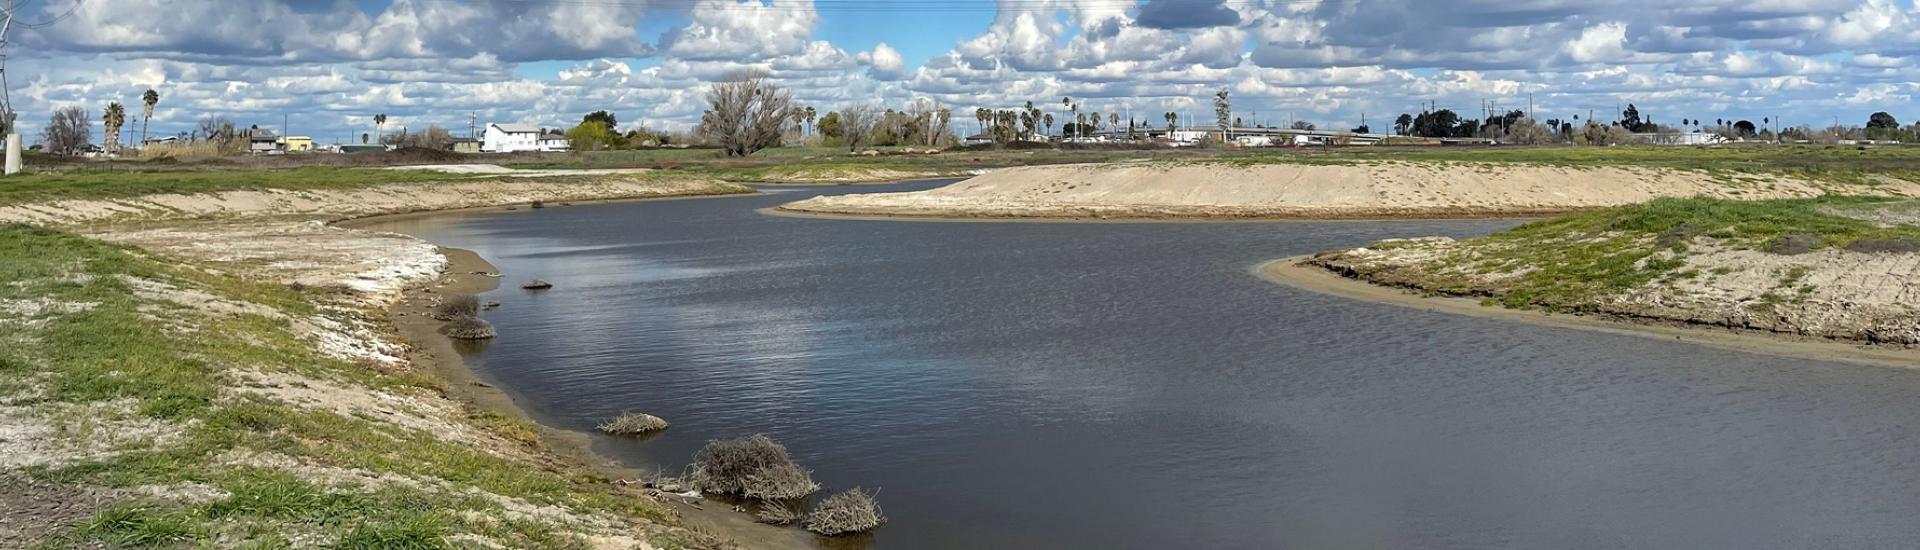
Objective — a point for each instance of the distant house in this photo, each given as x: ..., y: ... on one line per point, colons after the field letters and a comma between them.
x: 261, y: 141
x: 978, y: 139
x: 513, y: 138
x: 296, y: 144
x: 555, y: 142
x: 466, y: 145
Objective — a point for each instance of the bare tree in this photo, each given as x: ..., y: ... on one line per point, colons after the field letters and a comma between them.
x: 67, y: 131
x: 856, y: 124
x: 745, y: 115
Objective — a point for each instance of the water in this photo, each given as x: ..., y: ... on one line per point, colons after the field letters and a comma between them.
x: 1053, y: 385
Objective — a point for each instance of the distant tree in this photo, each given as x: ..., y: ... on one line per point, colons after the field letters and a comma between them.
x: 1439, y: 123
x: 1745, y: 127
x: 114, y: 117
x: 379, y: 121
x: 1525, y: 132
x: 830, y: 126
x: 1630, y: 119
x: 1304, y: 125
x: 67, y: 131
x: 857, y: 125
x: 147, y: 101
x: 1362, y: 129
x: 1882, y: 120
x: 1048, y: 119
x: 1601, y: 135
x: 1173, y: 121
x: 590, y: 135
x: 434, y: 137
x: 364, y: 138
x: 603, y: 117
x: 1094, y: 119
x: 745, y: 114
x: 1222, y: 111
x: 1403, y: 124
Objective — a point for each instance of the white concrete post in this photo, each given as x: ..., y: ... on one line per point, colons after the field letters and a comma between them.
x: 13, y: 153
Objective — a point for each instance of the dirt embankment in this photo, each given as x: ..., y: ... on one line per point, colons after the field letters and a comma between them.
x: 369, y: 201
x: 1348, y: 190
x: 1828, y: 293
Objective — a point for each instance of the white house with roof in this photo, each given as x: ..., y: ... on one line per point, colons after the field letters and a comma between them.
x: 513, y: 138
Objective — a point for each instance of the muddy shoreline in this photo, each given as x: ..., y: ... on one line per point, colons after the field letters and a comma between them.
x: 1291, y: 272
x: 436, y: 354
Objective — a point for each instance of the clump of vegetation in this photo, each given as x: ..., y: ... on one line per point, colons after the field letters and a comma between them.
x: 847, y: 512
x: 754, y: 467
x: 772, y: 513
x: 469, y: 328
x: 455, y: 306
x: 631, y: 423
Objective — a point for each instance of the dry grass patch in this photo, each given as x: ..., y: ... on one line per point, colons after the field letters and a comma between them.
x: 455, y: 306
x: 632, y: 423
x: 847, y: 512
x: 469, y: 328
x: 754, y: 467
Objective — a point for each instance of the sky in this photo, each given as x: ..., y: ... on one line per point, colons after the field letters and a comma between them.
x: 326, y: 67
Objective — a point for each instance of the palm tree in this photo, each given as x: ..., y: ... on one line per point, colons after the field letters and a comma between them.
x: 363, y: 138
x: 1095, y: 117
x: 1048, y: 118
x: 945, y: 115
x: 379, y: 120
x: 982, y: 114
x: 114, y: 118
x: 148, y: 100
x: 810, y: 114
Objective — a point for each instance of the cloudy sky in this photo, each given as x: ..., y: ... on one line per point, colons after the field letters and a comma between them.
x: 329, y: 65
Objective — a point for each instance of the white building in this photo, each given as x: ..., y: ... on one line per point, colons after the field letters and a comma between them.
x: 554, y: 142
x: 514, y: 138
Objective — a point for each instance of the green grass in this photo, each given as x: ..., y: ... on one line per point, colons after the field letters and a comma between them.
x: 1570, y: 262
x: 111, y: 345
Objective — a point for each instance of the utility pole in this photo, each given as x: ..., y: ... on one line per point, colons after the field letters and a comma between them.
x: 470, y: 121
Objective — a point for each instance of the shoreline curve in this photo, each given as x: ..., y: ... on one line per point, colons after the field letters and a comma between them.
x: 1288, y: 271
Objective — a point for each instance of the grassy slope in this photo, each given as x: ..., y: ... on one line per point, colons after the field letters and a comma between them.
x: 1568, y: 263
x: 122, y: 366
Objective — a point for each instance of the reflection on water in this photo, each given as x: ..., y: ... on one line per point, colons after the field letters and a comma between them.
x: 1012, y: 385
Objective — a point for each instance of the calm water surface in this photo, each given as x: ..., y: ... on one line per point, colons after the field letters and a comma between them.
x: 1050, y: 385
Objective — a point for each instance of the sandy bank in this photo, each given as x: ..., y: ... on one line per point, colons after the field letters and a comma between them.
x: 1348, y: 190
x: 335, y: 204
x: 1304, y: 273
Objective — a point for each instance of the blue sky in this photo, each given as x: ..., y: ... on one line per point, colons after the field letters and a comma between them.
x: 329, y: 65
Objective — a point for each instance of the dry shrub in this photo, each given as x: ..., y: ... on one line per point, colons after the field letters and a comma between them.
x: 469, y: 328
x: 775, y: 514
x: 630, y: 423
x: 455, y: 306
x: 181, y: 149
x: 754, y: 467
x: 851, y: 511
